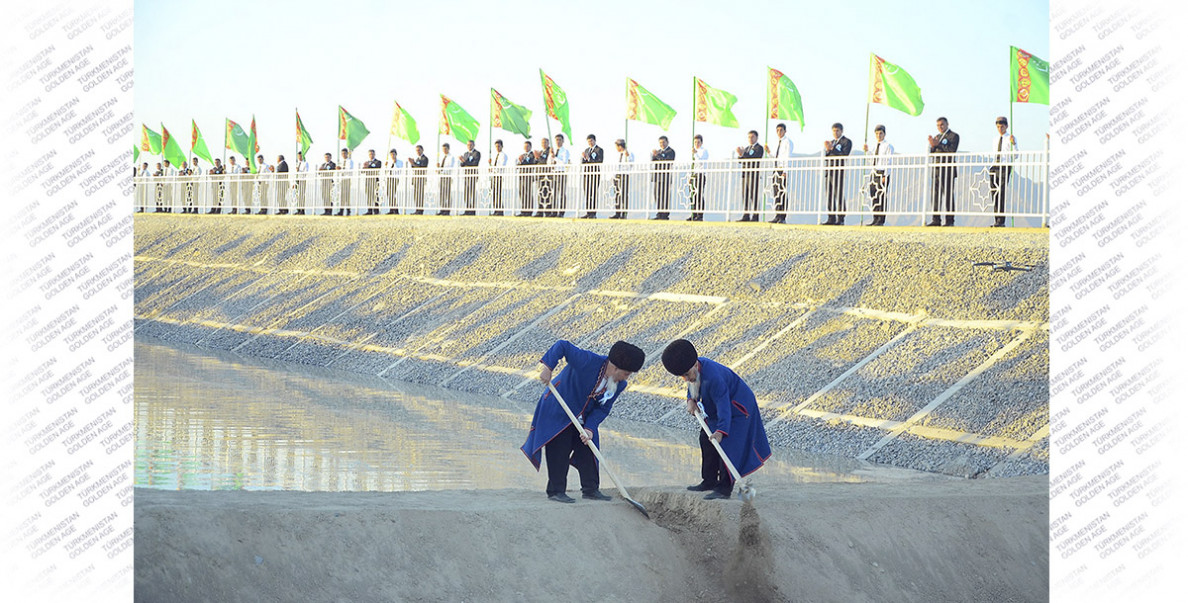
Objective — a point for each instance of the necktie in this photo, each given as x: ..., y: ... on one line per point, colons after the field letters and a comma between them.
x: 778, y: 147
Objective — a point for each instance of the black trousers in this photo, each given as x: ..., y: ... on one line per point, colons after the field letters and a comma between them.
x: 558, y: 195
x: 942, y: 195
x: 469, y: 184
x: 497, y: 192
x: 418, y: 186
x: 544, y: 194
x: 392, y: 182
x: 443, y: 194
x: 662, y: 189
x: 879, y: 181
x: 568, y: 448
x: 999, y: 177
x: 750, y: 194
x: 713, y: 470
x: 371, y: 189
x: 526, y: 186
x: 590, y: 181
x: 834, y: 181
x: 779, y: 193
x: 327, y: 196
x: 697, y: 195
x: 621, y: 199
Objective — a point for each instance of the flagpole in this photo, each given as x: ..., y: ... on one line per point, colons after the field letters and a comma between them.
x: 767, y: 111
x: 491, y: 125
x: 224, y: 142
x: 693, y: 126
x: 296, y: 144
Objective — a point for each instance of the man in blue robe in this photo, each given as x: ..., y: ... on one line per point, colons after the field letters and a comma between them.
x: 731, y: 413
x: 590, y: 383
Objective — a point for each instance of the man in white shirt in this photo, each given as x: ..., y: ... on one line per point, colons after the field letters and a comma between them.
x: 445, y: 169
x: 170, y: 174
x: 779, y: 182
x: 191, y: 184
x: 344, y: 198
x: 392, y: 166
x: 300, y: 179
x: 697, y: 180
x: 560, y: 161
x: 879, y: 179
x: 1000, y: 173
x: 622, y: 180
x: 498, y: 167
x: 263, y: 177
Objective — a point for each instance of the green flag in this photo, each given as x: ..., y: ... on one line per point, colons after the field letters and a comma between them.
x: 135, y: 153
x: 197, y: 144
x: 783, y: 99
x: 644, y: 106
x: 170, y: 149
x: 556, y: 103
x: 350, y: 129
x: 254, y: 147
x: 456, y: 122
x: 1029, y: 77
x: 237, y: 139
x: 509, y: 116
x: 150, y: 141
x: 894, y: 87
x: 303, y: 137
x: 403, y: 124
x: 712, y: 105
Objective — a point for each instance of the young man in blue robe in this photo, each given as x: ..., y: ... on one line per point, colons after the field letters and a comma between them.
x: 731, y: 413
x: 590, y: 383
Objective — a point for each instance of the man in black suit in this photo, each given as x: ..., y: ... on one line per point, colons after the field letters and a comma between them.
x: 944, y: 173
x: 524, y: 165
x: 591, y: 163
x: 216, y: 206
x: 282, y: 167
x: 750, y: 156
x: 835, y: 176
x: 371, y: 182
x: 662, y: 177
x: 417, y: 165
x: 544, y: 183
x: 469, y: 161
x: 327, y: 184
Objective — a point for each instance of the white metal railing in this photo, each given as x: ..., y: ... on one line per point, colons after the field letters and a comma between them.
x: 806, y: 189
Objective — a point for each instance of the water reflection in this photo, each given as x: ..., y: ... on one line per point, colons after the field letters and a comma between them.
x: 211, y: 420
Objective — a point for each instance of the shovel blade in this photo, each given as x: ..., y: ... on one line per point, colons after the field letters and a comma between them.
x: 639, y: 507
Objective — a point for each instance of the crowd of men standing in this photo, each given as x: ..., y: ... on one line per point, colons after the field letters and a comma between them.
x: 541, y: 176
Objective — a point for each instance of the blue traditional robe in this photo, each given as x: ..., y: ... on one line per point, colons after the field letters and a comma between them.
x: 583, y: 372
x: 730, y: 408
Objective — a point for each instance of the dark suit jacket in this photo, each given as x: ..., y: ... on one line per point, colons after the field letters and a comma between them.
x: 471, y: 158
x: 593, y: 154
x: 840, y: 148
x: 329, y: 165
x: 282, y: 167
x: 665, y: 157
x: 420, y: 161
x: 526, y: 159
x: 945, y: 143
x: 752, y: 153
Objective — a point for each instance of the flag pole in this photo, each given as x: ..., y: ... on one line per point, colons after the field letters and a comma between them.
x: 767, y: 110
x: 491, y: 125
x: 224, y: 143
x: 627, y: 100
x: 545, y: 98
x: 296, y: 144
x: 869, y: 91
x: 693, y: 124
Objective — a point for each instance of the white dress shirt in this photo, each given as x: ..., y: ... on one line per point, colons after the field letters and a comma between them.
x: 881, y: 151
x: 626, y: 158
x: 346, y: 164
x: 264, y: 170
x: 560, y: 158
x: 196, y: 169
x: 783, y: 152
x: 700, y: 156
x: 448, y: 164
x: 302, y: 166
x: 1002, y: 147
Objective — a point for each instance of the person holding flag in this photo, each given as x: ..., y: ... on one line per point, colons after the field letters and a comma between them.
x: 344, y: 184
x: 779, y: 180
x: 560, y: 161
x: 622, y: 180
x: 300, y: 179
x: 1000, y: 172
x: 393, y: 166
x: 445, y: 174
x: 879, y: 179
x: 498, y: 167
x: 697, y: 180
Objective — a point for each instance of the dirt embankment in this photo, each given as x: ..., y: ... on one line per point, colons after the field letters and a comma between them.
x: 931, y: 540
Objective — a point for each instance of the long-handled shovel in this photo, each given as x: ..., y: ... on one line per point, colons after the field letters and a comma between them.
x: 597, y: 454
x: 745, y: 491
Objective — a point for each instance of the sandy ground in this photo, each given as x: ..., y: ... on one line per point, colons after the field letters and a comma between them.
x: 917, y: 540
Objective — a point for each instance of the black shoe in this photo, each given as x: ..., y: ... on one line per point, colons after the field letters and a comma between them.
x: 875, y: 223
x: 777, y: 221
x: 300, y: 212
x: 339, y: 213
x: 497, y: 213
x: 828, y: 223
x: 589, y: 216
x: 702, y: 487
x: 661, y: 216
x: 840, y: 223
x: 325, y: 213
x: 949, y: 224
x: 745, y: 219
x: 393, y: 212
x: 561, y: 497
x: 595, y: 495
x: 619, y: 216
x: 523, y: 214
x: 933, y: 223
x: 716, y: 494
x: 468, y: 213
x: 443, y: 213
x: 998, y: 225
x: 419, y: 212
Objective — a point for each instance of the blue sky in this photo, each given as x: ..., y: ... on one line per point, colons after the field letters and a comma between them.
x: 215, y: 59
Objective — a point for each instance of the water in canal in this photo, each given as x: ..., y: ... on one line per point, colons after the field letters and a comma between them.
x: 212, y: 420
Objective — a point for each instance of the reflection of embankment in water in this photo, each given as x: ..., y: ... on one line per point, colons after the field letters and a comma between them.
x: 215, y: 420
x: 982, y: 540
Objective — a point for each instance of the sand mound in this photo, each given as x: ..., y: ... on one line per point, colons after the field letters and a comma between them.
x: 936, y: 540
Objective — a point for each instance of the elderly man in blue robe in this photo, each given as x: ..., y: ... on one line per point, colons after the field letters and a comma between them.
x: 731, y: 413
x: 590, y: 383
